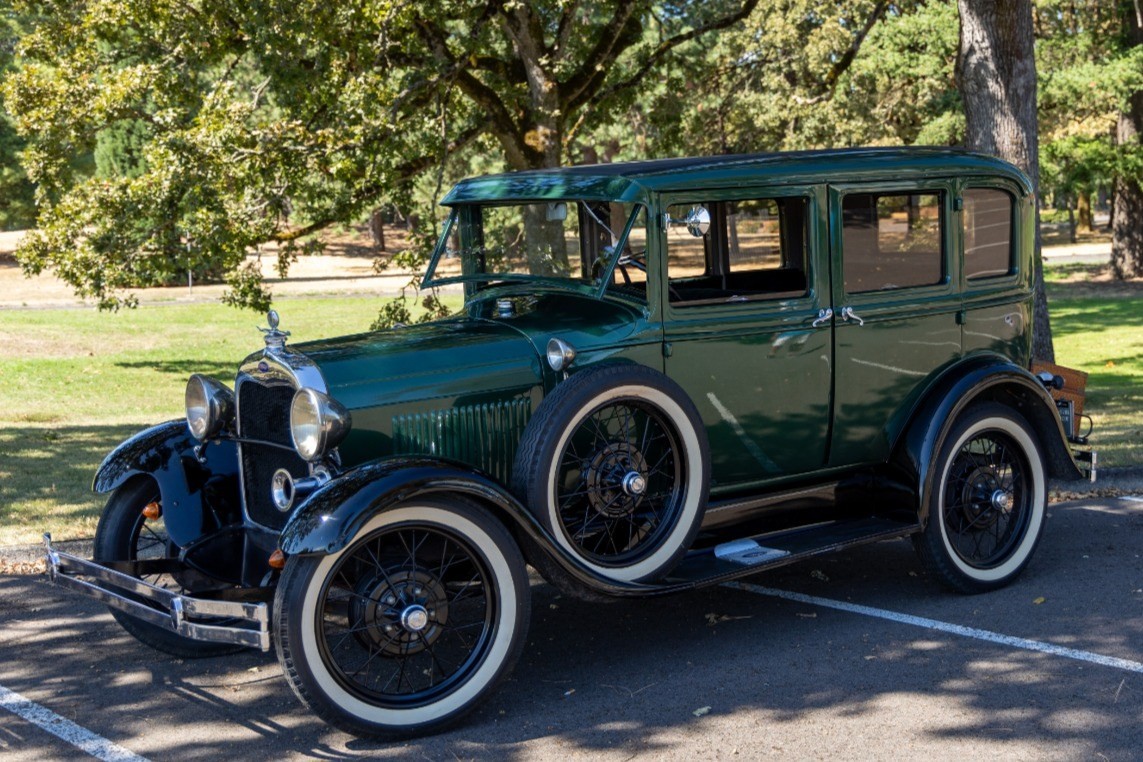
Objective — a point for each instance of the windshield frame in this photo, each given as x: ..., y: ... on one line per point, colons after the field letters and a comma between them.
x: 428, y: 281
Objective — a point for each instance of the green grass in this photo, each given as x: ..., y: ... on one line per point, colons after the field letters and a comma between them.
x: 1104, y: 338
x: 74, y: 383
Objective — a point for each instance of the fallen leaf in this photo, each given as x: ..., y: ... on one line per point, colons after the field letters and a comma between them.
x: 1039, y: 600
x: 569, y: 692
x: 713, y: 619
x: 701, y: 711
x: 819, y: 575
x: 808, y: 616
x: 1110, y: 364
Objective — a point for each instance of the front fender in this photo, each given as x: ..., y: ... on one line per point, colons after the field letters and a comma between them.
x: 980, y: 378
x: 197, y: 497
x: 333, y: 514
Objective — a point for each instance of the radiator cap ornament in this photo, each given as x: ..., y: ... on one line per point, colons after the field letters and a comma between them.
x: 274, y: 338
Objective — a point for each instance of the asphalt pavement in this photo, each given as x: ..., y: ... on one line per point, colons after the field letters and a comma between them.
x: 857, y: 655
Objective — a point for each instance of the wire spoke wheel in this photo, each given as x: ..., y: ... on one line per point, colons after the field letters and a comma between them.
x: 987, y: 505
x: 410, y: 624
x: 615, y: 465
x: 987, y: 499
x: 125, y: 533
x: 619, y: 481
x: 405, y: 613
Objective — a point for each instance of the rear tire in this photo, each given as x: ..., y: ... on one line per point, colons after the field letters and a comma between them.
x: 125, y: 534
x: 987, y: 501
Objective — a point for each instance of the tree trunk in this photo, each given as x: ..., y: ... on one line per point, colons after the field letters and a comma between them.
x: 1127, y: 201
x: 1071, y: 222
x: 377, y: 229
x: 1083, y: 209
x: 996, y: 71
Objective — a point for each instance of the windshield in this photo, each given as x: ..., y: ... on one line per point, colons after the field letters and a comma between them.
x: 572, y: 241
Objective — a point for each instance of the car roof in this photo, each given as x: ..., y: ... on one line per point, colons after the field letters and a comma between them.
x: 635, y: 180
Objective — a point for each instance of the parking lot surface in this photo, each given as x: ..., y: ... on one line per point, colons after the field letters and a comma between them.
x: 771, y: 669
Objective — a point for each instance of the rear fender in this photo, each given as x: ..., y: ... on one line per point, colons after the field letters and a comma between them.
x: 333, y: 514
x: 989, y: 378
x: 197, y: 496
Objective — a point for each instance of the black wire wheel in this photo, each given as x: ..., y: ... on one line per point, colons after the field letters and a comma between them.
x: 410, y: 625
x: 124, y: 533
x: 988, y: 501
x: 615, y: 466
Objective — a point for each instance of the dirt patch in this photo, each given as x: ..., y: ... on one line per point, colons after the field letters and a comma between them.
x: 1096, y: 281
x: 346, y: 267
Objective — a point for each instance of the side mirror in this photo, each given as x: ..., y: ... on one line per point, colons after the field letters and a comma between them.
x: 698, y: 221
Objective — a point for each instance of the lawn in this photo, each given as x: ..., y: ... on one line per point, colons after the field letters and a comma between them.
x: 74, y: 383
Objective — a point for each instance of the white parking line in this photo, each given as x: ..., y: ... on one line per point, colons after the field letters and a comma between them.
x: 1132, y: 498
x: 66, y: 730
x: 953, y: 629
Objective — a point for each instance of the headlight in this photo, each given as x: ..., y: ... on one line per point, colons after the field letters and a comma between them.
x: 560, y: 354
x: 210, y: 407
x: 317, y: 424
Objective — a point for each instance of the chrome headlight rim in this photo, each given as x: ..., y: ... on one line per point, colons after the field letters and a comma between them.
x: 318, y: 423
x: 209, y: 407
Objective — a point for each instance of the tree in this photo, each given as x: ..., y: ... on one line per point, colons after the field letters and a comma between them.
x: 17, y: 196
x: 272, y: 121
x: 1127, y: 222
x: 996, y: 68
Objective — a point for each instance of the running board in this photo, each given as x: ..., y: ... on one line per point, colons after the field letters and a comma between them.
x: 750, y: 555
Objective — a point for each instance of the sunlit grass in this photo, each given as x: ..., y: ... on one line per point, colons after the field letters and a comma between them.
x: 74, y: 383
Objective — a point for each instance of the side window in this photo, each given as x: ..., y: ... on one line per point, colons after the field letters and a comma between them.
x: 891, y: 241
x: 987, y: 233
x: 754, y: 249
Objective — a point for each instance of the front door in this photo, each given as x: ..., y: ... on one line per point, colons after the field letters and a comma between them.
x: 743, y: 329
x: 895, y: 309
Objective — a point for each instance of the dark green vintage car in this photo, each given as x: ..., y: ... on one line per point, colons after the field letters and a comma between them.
x: 666, y: 375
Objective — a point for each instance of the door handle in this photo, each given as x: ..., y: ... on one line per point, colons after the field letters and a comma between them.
x: 847, y: 313
x: 824, y: 315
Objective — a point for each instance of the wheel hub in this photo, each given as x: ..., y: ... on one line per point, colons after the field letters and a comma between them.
x: 616, y: 479
x: 400, y: 612
x: 984, y: 500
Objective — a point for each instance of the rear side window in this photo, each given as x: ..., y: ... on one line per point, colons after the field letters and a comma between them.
x: 987, y: 233
x: 891, y: 241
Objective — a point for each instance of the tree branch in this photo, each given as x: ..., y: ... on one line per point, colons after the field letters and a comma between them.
x: 401, y: 172
x: 665, y: 47
x: 584, y: 81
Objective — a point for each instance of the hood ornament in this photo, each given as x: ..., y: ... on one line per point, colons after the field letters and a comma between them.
x: 274, y: 338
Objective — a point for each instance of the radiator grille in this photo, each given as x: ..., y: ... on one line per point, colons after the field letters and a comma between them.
x: 264, y: 413
x: 484, y: 436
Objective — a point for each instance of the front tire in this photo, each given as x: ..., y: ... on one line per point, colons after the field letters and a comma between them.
x: 125, y: 534
x: 988, y: 501
x: 405, y: 629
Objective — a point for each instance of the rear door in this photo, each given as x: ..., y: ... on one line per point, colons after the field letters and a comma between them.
x: 896, y: 306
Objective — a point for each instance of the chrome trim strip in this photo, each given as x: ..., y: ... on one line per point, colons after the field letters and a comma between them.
x: 162, y: 608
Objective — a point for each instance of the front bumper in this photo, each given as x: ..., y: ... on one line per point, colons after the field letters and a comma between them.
x: 229, y: 615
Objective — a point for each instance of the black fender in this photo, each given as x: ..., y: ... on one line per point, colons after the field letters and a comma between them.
x: 334, y: 513
x: 979, y: 378
x: 197, y: 496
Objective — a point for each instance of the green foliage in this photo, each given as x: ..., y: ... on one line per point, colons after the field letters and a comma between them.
x: 1087, y: 76
x: 17, y: 194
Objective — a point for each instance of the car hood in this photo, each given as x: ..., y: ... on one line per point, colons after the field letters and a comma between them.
x: 446, y: 358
